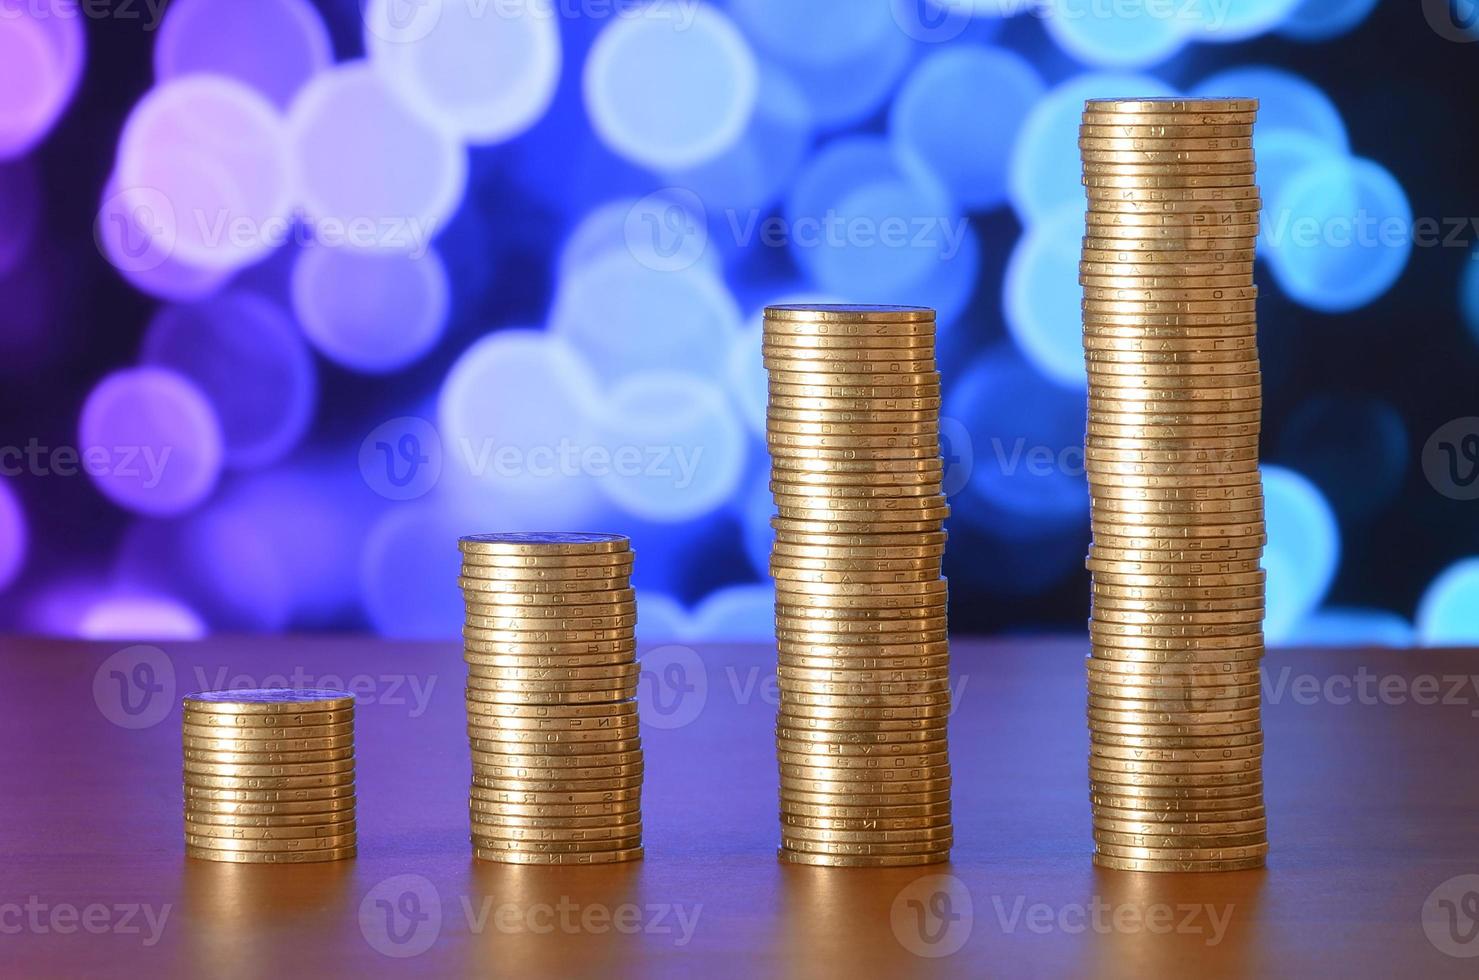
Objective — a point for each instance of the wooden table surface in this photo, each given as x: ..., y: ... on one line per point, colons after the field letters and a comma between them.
x: 1373, y: 796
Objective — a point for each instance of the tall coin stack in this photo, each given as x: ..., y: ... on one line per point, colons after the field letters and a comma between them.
x: 551, y: 698
x: 269, y: 776
x: 1175, y: 764
x: 853, y: 429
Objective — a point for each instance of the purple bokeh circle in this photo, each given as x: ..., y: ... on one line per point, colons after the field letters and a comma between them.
x: 207, y: 158
x: 371, y: 311
x: 151, y: 442
x: 13, y: 536
x: 41, y: 53
x: 248, y: 357
x: 275, y: 46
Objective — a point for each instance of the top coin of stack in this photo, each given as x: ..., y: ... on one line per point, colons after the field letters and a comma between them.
x: 1175, y: 403
x: 269, y: 776
x: 551, y: 698
x: 853, y: 428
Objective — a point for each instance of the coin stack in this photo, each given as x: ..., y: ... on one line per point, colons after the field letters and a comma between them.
x: 269, y: 776
x: 551, y: 698
x: 1175, y: 764
x: 853, y: 427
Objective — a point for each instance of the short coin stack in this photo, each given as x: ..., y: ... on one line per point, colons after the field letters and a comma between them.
x: 551, y: 686
x: 1175, y: 402
x: 269, y: 776
x: 853, y: 429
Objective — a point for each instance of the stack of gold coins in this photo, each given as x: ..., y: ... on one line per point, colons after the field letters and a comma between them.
x: 1176, y: 735
x: 853, y: 427
x: 551, y: 654
x: 269, y: 776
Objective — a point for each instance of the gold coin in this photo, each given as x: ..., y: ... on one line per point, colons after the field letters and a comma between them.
x: 543, y: 543
x: 260, y: 745
x: 844, y: 317
x: 1205, y: 843
x: 794, y: 416
x: 784, y: 353
x: 255, y: 736
x: 1173, y: 224
x: 853, y: 495
x: 549, y: 663
x: 1109, y: 164
x: 879, y: 509
x: 1201, y: 142
x: 805, y: 537
x: 196, y: 789
x: 491, y: 633
x: 1112, y: 753
x: 795, y: 800
x: 795, y: 599
x: 539, y: 748
x: 1216, y: 108
x: 780, y: 340
x: 306, y: 810
x: 1168, y: 131
x: 269, y: 701
x: 860, y: 430
x: 565, y: 840
x: 478, y: 697
x: 1132, y: 556
x: 800, y: 825
x: 1112, y: 203
x: 820, y: 812
x: 1136, y: 768
x: 1180, y: 812
x: 1235, y: 351
x: 1221, y: 793
x: 196, y: 817
x: 588, y: 857
x: 510, y: 623
x: 537, y: 603
x: 838, y: 530
x: 1181, y: 853
x: 1176, y: 275
x: 791, y: 843
x: 594, y: 712
x: 231, y: 758
x: 1163, y: 245
x: 797, y: 551
x: 792, y: 833
x: 1106, y: 613
x: 916, y: 609
x: 544, y: 616
x: 917, y: 361
x: 1188, y: 579
x: 290, y: 835
x: 248, y: 725
x: 608, y: 560
x: 874, y: 394
x: 877, y: 766
x: 564, y: 725
x: 794, y: 712
x: 552, y: 590
x: 281, y: 845
x: 533, y: 783
x: 623, y: 646
x: 857, y: 742
x: 498, y: 845
x: 858, y: 791
x: 568, y: 574
x: 480, y: 683
x: 572, y: 798
x: 855, y: 861
x: 269, y: 857
x: 824, y: 629
x: 853, y: 403
x: 1126, y: 603
x: 1141, y: 253
x: 491, y: 818
x: 1170, y: 670
x: 1132, y: 864
x: 1104, y: 651
x: 839, y: 728
x: 195, y: 767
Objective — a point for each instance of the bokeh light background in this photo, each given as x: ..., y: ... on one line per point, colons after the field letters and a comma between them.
x: 296, y: 291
